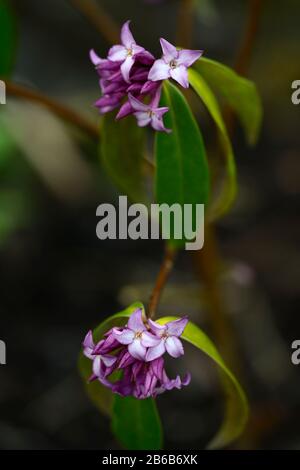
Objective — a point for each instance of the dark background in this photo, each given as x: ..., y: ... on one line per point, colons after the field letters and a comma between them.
x: 57, y: 280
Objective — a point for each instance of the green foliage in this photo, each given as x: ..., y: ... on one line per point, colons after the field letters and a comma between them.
x: 7, y: 38
x: 236, y: 413
x: 238, y: 92
x: 122, y: 147
x: 228, y: 194
x: 136, y: 423
x: 182, y: 175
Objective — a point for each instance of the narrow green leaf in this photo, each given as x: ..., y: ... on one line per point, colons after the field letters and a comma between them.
x: 122, y: 147
x: 182, y: 175
x: 236, y: 412
x: 101, y: 396
x: 7, y: 38
x: 228, y: 193
x: 238, y: 92
x: 136, y: 423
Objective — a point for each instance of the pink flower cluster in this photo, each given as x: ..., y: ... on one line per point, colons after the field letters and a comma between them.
x: 137, y: 351
x: 131, y: 78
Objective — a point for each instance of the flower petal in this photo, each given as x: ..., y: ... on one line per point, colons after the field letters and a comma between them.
x: 126, y: 35
x: 159, y: 71
x: 174, y: 346
x: 108, y: 361
x: 180, y: 75
x: 88, y: 341
x: 187, y: 57
x: 169, y: 51
x: 156, y: 351
x: 96, y: 60
x: 117, y: 53
x: 135, y: 322
x: 97, y: 366
x: 158, y: 125
x: 124, y: 337
x: 137, y: 350
x: 125, y: 110
x: 137, y: 49
x: 176, y: 327
x: 143, y: 119
x: 157, y: 328
x: 136, y: 104
x: 126, y: 67
x: 148, y: 340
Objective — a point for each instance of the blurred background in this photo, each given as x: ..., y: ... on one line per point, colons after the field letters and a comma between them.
x: 58, y: 280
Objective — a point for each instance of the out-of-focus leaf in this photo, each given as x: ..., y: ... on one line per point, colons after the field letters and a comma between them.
x: 14, y: 212
x: 7, y: 38
x: 228, y: 193
x: 239, y: 93
x: 236, y: 413
x: 136, y: 423
x: 101, y: 396
x: 122, y: 147
x: 182, y: 175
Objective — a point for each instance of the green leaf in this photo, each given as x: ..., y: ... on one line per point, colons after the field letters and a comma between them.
x: 101, y: 396
x: 182, y: 175
x: 228, y: 193
x: 7, y: 38
x: 236, y: 413
x: 238, y: 92
x: 122, y: 147
x: 136, y: 423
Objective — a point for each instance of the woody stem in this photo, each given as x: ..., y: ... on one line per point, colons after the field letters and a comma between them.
x: 161, y: 280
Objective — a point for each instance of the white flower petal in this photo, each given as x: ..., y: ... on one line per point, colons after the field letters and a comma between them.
x: 174, y: 346
x: 159, y: 71
x: 137, y: 350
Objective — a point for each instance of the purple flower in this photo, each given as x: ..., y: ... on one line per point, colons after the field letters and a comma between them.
x: 136, y: 336
x: 127, y: 52
x: 149, y: 113
x: 127, y: 350
x: 103, y: 364
x: 169, y: 339
x: 173, y: 64
x: 143, y: 380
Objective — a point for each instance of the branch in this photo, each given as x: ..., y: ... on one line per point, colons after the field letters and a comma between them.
x: 56, y: 107
x: 185, y: 24
x: 163, y: 275
x: 99, y: 18
x: 247, y: 45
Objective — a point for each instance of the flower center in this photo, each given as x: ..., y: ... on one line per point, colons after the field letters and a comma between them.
x: 150, y: 113
x: 138, y: 334
x: 129, y: 52
x: 173, y: 64
x: 165, y: 336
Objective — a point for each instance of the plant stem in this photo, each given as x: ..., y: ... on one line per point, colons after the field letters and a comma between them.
x: 247, y: 45
x: 185, y: 23
x: 56, y: 107
x: 163, y: 275
x: 99, y: 18
x: 245, y: 51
